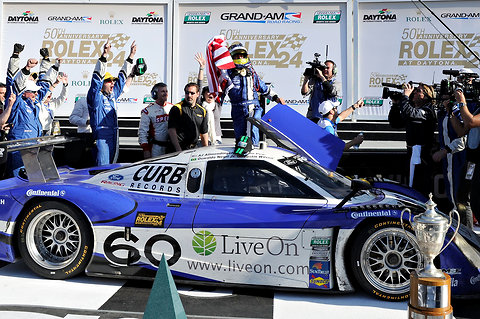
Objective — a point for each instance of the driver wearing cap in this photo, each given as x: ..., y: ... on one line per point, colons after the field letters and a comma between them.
x: 330, y: 118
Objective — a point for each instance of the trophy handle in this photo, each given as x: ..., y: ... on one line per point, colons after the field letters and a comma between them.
x: 409, y: 219
x: 450, y: 224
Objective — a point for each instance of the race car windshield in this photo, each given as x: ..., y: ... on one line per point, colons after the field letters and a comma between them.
x: 335, y: 184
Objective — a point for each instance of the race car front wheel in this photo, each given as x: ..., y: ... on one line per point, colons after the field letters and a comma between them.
x: 382, y: 257
x: 55, y: 240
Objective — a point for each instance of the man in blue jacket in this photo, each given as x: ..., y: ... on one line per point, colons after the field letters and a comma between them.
x: 24, y: 115
x: 102, y: 104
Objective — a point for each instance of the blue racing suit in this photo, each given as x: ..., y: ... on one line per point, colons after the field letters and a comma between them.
x: 243, y: 93
x: 102, y: 109
x: 24, y: 115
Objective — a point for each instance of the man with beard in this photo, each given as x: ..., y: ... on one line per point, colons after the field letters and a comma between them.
x: 188, y: 120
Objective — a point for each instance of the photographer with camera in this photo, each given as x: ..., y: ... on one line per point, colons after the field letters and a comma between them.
x: 464, y: 123
x: 414, y: 111
x: 319, y: 83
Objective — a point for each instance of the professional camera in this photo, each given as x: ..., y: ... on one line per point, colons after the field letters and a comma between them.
x: 315, y: 64
x: 389, y: 94
x: 466, y: 81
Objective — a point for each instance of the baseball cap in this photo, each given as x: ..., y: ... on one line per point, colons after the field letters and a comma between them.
x: 109, y: 77
x: 237, y: 48
x: 31, y: 86
x: 326, y: 106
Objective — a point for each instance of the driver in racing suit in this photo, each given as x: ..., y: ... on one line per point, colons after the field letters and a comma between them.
x: 243, y: 88
x: 153, y: 129
x: 102, y: 104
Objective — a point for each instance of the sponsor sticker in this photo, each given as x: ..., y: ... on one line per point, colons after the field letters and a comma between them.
x: 150, y: 219
x: 375, y: 213
x: 115, y: 177
x: 197, y: 17
x: 327, y: 16
x: 204, y: 243
x: 38, y: 192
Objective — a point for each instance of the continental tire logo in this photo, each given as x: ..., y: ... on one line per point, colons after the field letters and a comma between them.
x: 204, y: 243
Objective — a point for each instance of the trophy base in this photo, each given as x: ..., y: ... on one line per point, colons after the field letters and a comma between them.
x: 429, y: 297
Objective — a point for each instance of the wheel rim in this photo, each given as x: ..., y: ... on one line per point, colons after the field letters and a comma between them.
x: 53, y: 239
x: 387, y: 258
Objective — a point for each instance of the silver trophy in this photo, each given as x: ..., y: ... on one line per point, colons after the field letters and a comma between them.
x: 430, y: 230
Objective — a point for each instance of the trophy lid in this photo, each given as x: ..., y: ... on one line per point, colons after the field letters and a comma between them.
x: 430, y: 216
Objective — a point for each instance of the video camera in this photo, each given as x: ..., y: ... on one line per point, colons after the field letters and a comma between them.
x: 315, y: 64
x: 394, y: 95
x: 466, y: 81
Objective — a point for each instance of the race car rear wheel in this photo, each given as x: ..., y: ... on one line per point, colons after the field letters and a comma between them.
x: 55, y: 240
x: 382, y: 257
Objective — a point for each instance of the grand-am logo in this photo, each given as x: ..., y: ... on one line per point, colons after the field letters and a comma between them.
x: 151, y: 18
x: 26, y: 17
x: 374, y: 213
x: 258, y: 17
x: 84, y: 48
x: 197, y: 17
x: 418, y: 48
x: 38, y: 192
x: 383, y: 15
x: 127, y: 100
x: 279, y: 50
x: 460, y: 15
x: 70, y: 19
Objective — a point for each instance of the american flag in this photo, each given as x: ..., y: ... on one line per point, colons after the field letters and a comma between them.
x: 218, y: 59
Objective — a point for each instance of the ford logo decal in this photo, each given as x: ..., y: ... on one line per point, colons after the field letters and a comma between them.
x: 115, y: 177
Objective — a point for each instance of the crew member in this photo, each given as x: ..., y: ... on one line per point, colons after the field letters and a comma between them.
x: 153, y: 129
x: 188, y: 120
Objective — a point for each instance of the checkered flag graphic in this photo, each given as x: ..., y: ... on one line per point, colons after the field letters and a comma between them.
x: 118, y: 40
x: 293, y: 41
x: 475, y: 41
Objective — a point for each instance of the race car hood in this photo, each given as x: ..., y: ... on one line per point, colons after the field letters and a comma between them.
x: 291, y: 130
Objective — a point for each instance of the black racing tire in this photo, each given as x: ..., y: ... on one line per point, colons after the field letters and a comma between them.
x: 382, y: 258
x: 55, y: 240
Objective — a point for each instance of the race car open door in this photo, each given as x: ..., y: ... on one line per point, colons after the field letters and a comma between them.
x: 291, y: 130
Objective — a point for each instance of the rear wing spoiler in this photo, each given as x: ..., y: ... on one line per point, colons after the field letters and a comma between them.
x: 36, y: 155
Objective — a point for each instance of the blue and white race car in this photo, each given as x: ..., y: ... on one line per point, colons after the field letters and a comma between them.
x: 272, y: 218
